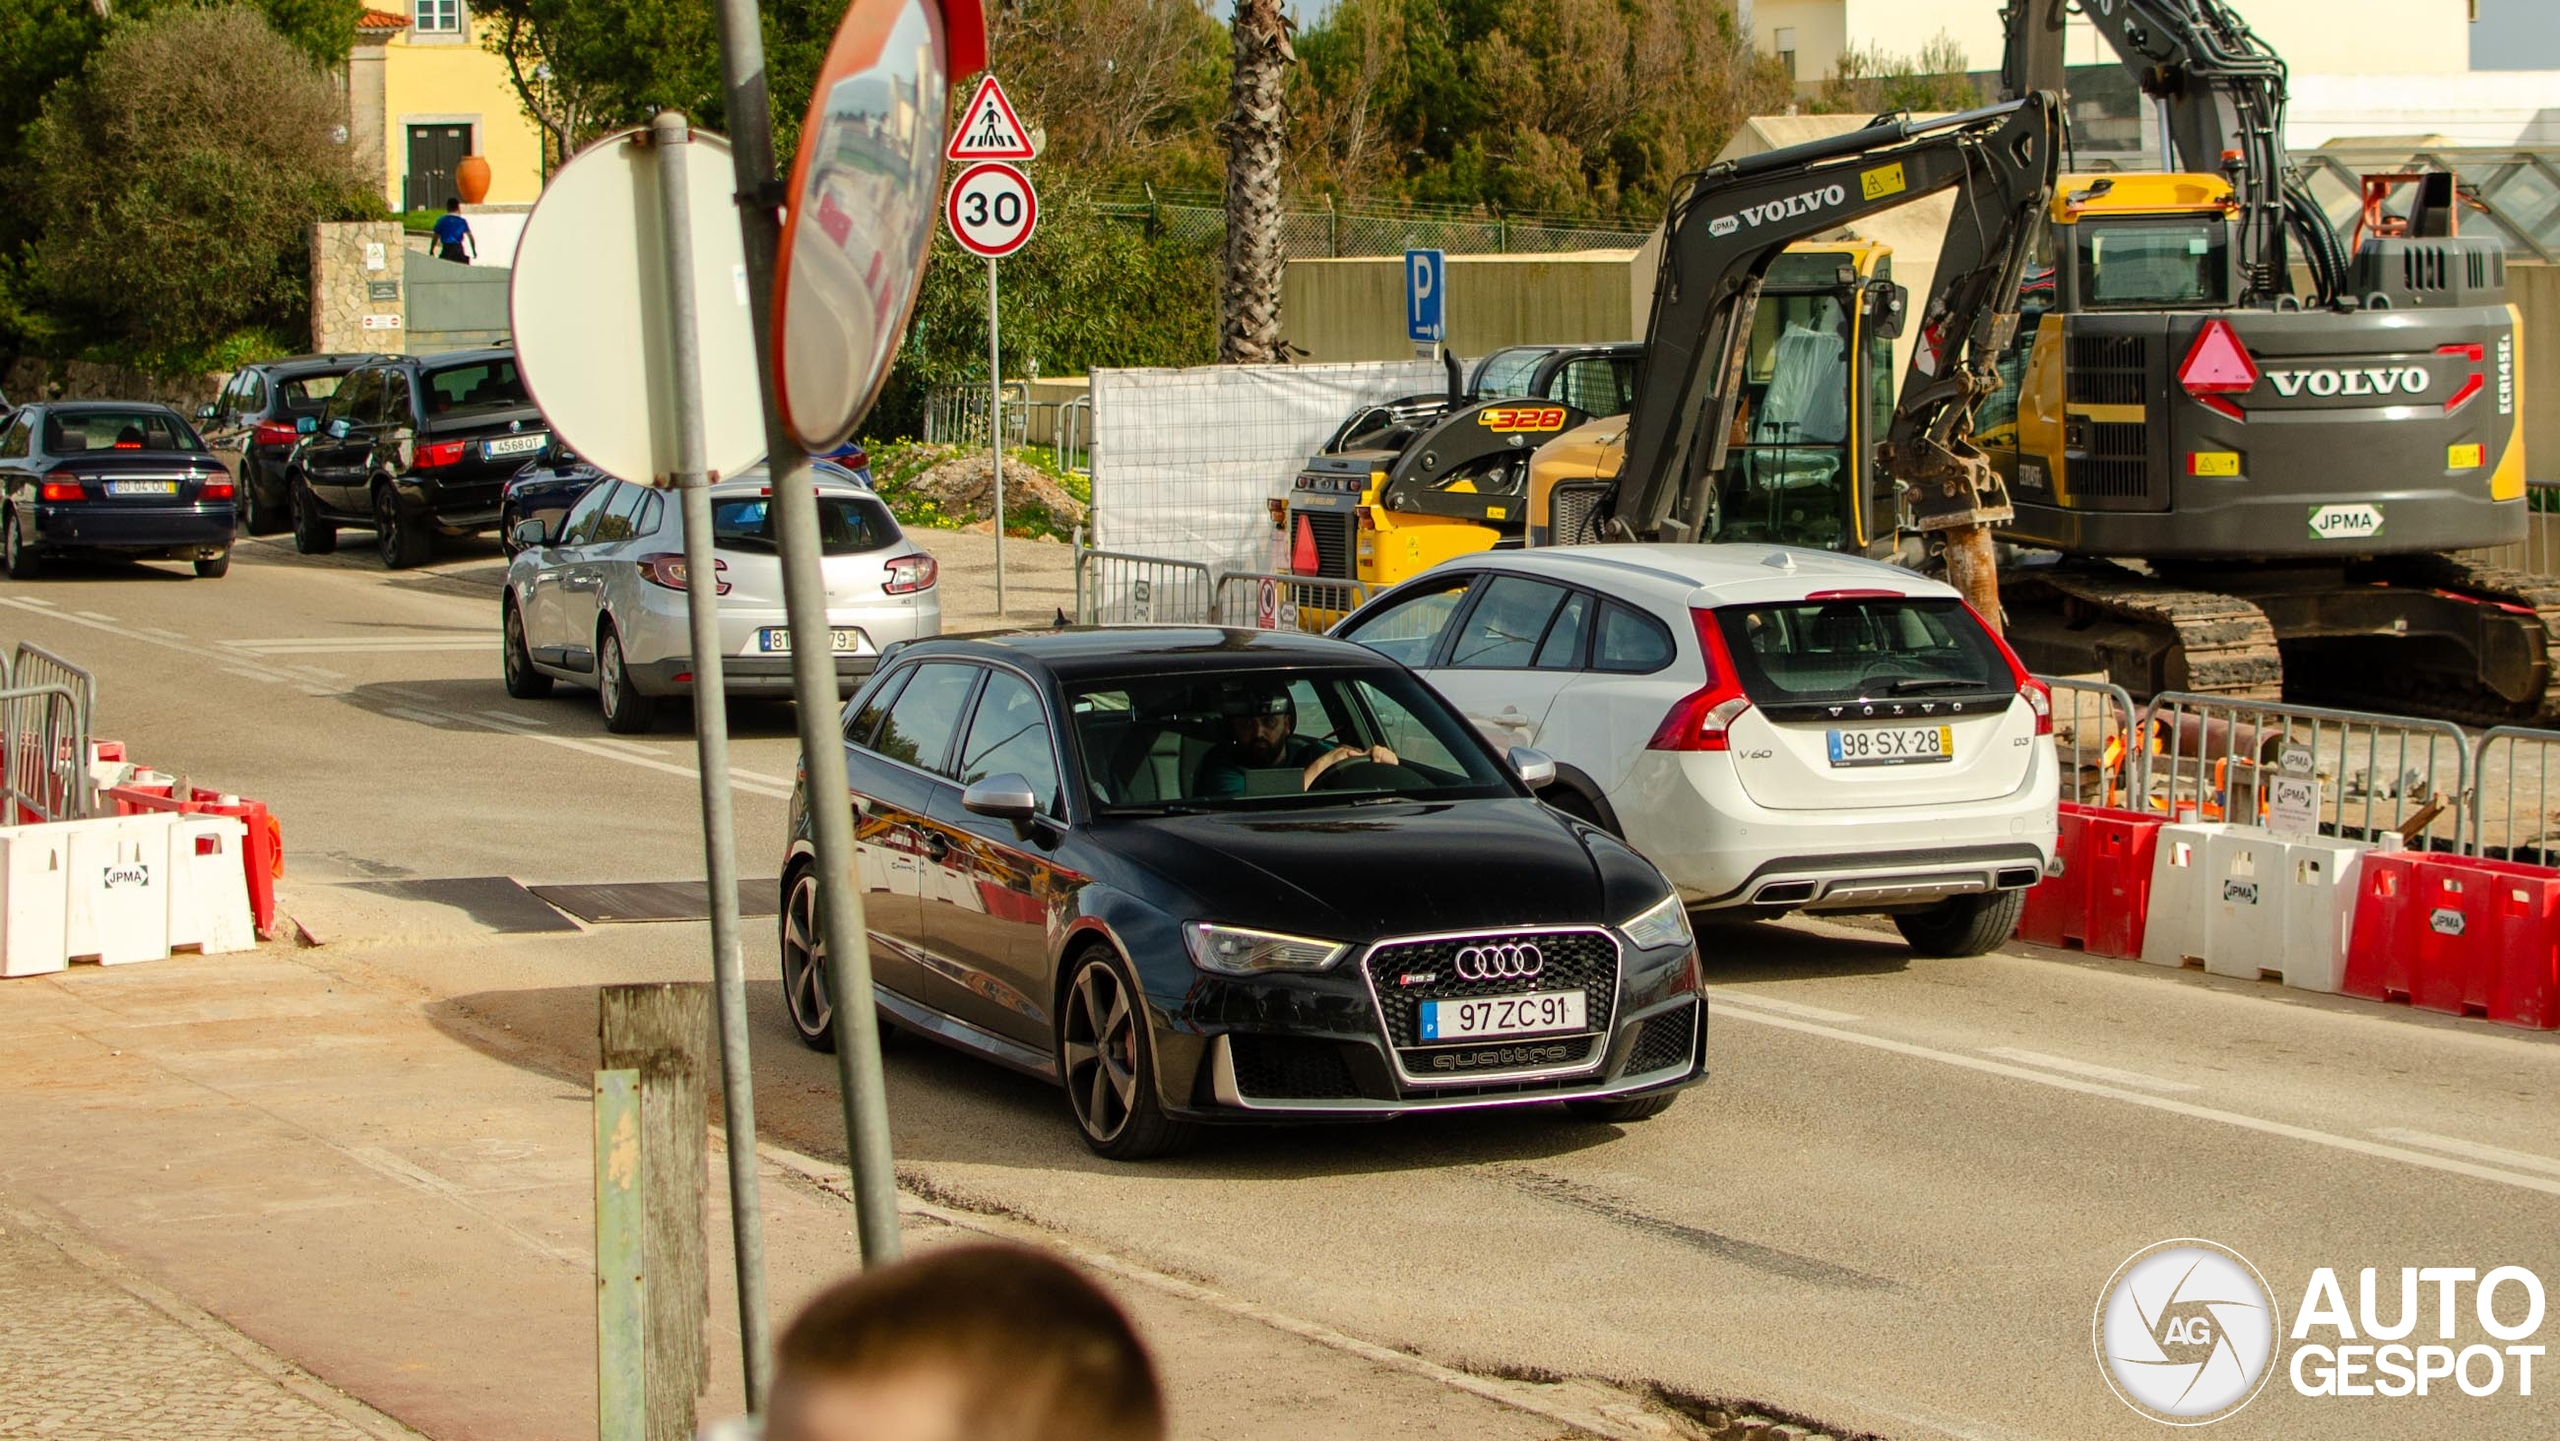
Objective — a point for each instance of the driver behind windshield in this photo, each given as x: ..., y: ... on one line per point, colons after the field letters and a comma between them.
x: 1262, y: 724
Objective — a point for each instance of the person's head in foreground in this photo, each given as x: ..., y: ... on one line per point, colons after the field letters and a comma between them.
x: 964, y: 1343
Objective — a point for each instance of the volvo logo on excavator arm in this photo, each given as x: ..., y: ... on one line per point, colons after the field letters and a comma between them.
x: 1804, y: 203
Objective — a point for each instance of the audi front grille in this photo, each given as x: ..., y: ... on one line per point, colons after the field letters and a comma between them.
x: 1586, y: 960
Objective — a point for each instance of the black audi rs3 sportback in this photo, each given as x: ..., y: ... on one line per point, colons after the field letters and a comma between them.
x: 1199, y: 875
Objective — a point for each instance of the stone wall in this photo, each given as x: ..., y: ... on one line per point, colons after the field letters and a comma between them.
x: 358, y: 301
x: 29, y: 378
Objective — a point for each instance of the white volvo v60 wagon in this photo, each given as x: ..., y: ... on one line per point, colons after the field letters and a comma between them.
x: 1778, y: 729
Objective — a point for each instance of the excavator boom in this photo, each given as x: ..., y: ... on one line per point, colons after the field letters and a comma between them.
x: 1731, y: 221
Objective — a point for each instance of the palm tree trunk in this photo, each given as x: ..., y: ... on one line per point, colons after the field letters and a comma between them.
x: 1256, y: 132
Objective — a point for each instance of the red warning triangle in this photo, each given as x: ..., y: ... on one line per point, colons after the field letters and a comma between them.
x: 1302, y: 551
x: 988, y: 129
x: 2217, y: 364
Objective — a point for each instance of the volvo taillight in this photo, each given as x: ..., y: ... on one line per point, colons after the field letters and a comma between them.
x: 667, y: 569
x: 2037, y: 695
x: 909, y: 573
x: 1703, y: 719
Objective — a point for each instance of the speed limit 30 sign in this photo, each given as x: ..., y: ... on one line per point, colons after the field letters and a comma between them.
x: 991, y: 209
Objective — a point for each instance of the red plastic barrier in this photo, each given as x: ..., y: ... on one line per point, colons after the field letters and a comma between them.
x: 2100, y: 900
x: 2057, y: 910
x: 263, y: 856
x: 2459, y: 935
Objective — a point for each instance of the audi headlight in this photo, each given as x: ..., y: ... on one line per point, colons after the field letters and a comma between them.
x: 1235, y: 951
x: 1665, y: 924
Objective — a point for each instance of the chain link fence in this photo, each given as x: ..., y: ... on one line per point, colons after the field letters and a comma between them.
x: 1201, y: 219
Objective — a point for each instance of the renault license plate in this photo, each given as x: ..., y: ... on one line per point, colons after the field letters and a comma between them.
x: 1479, y: 1017
x: 142, y: 487
x: 776, y: 640
x: 512, y: 445
x: 1893, y: 745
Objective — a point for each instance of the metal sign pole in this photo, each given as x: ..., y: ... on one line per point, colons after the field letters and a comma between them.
x: 995, y: 424
x: 813, y: 666
x: 667, y: 132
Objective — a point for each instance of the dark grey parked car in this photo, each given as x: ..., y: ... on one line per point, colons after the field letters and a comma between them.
x: 414, y: 447
x: 263, y: 412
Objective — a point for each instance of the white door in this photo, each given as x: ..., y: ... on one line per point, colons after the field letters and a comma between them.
x: 1519, y: 643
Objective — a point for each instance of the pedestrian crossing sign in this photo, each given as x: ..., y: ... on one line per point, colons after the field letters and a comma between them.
x: 988, y: 128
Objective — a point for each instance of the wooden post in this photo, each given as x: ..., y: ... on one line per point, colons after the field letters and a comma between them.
x: 664, y: 1033
x: 621, y: 1399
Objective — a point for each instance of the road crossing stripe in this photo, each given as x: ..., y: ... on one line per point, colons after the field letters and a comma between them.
x: 2135, y: 1079
x: 1797, y: 1009
x: 2496, y: 1155
x: 1728, y: 1009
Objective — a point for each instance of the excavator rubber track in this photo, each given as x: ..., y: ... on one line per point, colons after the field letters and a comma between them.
x: 2450, y: 699
x: 2228, y: 646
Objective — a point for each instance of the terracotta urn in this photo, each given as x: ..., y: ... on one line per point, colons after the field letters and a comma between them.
x: 471, y: 179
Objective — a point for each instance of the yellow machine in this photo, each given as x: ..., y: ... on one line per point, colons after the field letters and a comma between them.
x: 1813, y: 393
x: 1819, y: 378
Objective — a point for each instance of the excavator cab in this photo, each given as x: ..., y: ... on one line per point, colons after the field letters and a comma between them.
x: 1813, y: 392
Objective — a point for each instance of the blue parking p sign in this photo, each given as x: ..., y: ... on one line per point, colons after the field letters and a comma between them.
x: 1425, y: 296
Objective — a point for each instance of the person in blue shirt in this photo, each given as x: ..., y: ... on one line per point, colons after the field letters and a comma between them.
x: 1262, y: 723
x: 453, y: 233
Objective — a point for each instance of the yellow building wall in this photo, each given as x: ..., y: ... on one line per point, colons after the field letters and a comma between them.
x: 445, y: 81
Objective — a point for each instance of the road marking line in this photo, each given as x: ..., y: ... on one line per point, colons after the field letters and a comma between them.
x: 2135, y: 1079
x: 30, y: 600
x: 359, y: 647
x: 2548, y: 1186
x: 421, y: 717
x: 163, y: 634
x: 316, y: 672
x: 256, y: 675
x: 2500, y: 1155
x: 513, y: 717
x: 94, y: 615
x: 321, y: 691
x: 1785, y: 1008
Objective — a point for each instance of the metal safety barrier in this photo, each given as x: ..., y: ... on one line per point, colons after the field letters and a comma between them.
x: 2093, y: 738
x: 44, y: 754
x: 1113, y: 588
x: 2515, y: 779
x: 34, y: 665
x: 1075, y: 417
x: 1258, y: 600
x: 2212, y: 758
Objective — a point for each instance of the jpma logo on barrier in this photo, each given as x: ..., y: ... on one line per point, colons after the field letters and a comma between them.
x: 2186, y: 1331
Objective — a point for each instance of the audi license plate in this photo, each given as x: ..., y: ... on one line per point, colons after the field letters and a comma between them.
x: 513, y: 445
x: 142, y: 487
x: 1892, y: 745
x: 1483, y: 1016
x: 776, y: 640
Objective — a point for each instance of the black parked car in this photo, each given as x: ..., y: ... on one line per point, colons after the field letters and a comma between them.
x: 414, y: 446
x: 544, y: 490
x: 263, y: 412
x: 1210, y: 875
x: 115, y: 477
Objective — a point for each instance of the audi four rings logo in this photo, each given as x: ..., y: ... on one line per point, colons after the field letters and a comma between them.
x: 1499, y: 963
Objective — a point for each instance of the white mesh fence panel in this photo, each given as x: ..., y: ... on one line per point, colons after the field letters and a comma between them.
x: 1185, y: 462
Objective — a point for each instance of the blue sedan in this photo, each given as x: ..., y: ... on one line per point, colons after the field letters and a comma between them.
x: 121, y: 478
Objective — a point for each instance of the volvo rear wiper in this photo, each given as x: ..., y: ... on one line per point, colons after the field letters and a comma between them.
x: 1921, y: 683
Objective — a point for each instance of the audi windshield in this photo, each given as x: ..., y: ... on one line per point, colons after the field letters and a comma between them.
x: 1265, y: 739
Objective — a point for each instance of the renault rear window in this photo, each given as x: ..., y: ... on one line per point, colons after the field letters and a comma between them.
x: 847, y: 524
x: 1825, y: 651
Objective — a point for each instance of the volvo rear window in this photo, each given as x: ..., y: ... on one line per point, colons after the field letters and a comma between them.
x: 847, y: 525
x: 1821, y: 652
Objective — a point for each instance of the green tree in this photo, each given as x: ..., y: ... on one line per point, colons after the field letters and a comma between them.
x: 1871, y: 80
x: 173, y: 185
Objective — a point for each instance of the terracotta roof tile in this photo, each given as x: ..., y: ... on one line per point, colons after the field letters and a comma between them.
x: 372, y: 19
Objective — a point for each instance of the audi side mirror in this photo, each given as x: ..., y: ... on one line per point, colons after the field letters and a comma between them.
x: 1536, y: 768
x: 1007, y: 797
x: 531, y: 533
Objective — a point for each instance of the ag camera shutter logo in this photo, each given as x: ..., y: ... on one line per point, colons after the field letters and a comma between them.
x: 2186, y: 1331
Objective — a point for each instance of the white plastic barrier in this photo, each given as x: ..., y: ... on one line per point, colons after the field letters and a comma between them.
x: 208, y: 885
x: 119, y: 905
x: 35, y: 893
x: 2251, y: 904
x: 2175, y: 929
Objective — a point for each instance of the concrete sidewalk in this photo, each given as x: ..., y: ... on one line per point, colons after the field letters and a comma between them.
x: 331, y: 1185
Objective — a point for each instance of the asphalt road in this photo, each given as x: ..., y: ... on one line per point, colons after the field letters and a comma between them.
x: 1893, y: 1207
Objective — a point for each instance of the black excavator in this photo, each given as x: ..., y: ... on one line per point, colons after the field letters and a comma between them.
x: 2243, y: 460
x: 1704, y: 453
